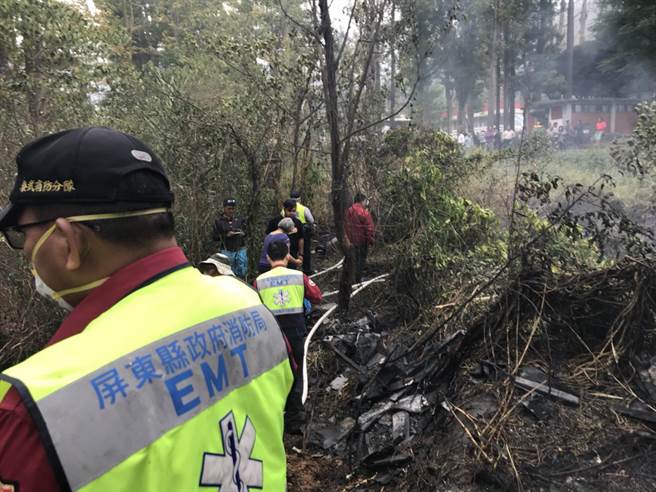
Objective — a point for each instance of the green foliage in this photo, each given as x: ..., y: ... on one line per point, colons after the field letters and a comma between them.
x: 630, y: 26
x: 227, y: 100
x: 437, y: 238
x: 637, y: 154
x: 580, y: 228
x: 52, y: 59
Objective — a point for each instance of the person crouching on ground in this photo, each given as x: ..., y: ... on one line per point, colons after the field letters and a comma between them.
x: 216, y: 265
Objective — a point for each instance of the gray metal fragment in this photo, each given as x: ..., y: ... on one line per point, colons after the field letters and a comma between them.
x: 370, y: 417
x: 400, y: 426
x: 547, y: 390
x: 412, y: 404
x: 339, y: 382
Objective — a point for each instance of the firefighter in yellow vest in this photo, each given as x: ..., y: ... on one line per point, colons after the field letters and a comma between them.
x: 282, y: 290
x: 159, y: 378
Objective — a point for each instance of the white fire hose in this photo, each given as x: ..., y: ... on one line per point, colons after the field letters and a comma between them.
x: 359, y: 287
x: 335, y: 266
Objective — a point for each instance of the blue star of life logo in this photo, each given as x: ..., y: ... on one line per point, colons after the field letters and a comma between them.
x: 235, y: 470
x: 281, y: 298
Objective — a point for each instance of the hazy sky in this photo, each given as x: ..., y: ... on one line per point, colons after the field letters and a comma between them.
x: 340, y: 19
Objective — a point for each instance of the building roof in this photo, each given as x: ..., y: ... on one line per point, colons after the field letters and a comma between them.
x: 590, y: 100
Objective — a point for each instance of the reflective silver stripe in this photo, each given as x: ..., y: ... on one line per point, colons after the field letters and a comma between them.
x: 295, y: 310
x: 93, y: 431
x: 279, y: 281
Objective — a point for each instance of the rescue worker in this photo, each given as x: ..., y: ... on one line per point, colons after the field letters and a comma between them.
x: 159, y: 376
x: 282, y: 290
x: 229, y: 232
x: 304, y: 214
x: 215, y: 265
x: 296, y: 242
x: 359, y: 228
x: 285, y: 228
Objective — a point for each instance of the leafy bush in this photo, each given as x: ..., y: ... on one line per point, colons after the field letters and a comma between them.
x: 438, y: 239
x: 637, y: 154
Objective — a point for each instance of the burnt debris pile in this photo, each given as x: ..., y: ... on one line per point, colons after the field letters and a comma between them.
x: 549, y: 380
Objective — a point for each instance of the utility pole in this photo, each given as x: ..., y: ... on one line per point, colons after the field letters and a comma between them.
x: 570, y: 49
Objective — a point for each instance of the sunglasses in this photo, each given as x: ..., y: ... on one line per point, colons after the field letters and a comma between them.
x: 15, y: 235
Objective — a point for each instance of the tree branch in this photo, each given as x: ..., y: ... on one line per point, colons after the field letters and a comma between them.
x: 299, y: 24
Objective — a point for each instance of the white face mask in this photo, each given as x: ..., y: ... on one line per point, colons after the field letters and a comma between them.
x: 46, y: 291
x: 43, y: 289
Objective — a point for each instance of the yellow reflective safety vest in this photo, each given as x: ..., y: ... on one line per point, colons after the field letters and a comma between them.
x: 181, y: 385
x: 300, y: 212
x: 281, y: 290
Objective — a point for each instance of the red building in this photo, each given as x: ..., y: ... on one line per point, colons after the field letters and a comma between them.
x: 618, y: 113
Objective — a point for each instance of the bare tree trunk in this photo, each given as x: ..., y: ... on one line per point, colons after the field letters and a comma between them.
x: 392, y: 87
x: 583, y: 21
x: 448, y: 95
x: 506, y: 75
x: 296, y: 132
x: 338, y: 170
x: 492, y: 77
x: 497, y: 116
x: 470, y: 115
x: 561, y: 22
x: 491, y: 90
x: 570, y: 49
x: 462, y: 100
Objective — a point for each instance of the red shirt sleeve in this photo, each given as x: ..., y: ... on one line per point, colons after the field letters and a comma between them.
x: 23, y: 460
x: 312, y: 290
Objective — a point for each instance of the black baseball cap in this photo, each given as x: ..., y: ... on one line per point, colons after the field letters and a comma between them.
x: 289, y: 203
x: 296, y: 195
x: 86, y: 166
x: 229, y: 202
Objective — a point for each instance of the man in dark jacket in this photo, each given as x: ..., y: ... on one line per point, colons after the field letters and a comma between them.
x: 229, y: 232
x: 359, y: 228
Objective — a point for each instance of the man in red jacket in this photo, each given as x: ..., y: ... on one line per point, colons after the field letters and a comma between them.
x: 359, y: 228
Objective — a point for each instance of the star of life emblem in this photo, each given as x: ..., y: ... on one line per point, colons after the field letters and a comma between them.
x: 235, y: 470
x: 281, y: 298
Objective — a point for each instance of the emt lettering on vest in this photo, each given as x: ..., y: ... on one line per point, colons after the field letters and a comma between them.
x: 160, y: 376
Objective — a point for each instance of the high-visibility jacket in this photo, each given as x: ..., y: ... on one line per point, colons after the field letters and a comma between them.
x: 281, y: 290
x: 181, y: 385
x: 300, y: 212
